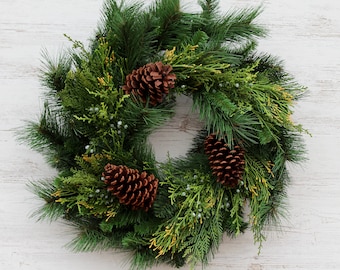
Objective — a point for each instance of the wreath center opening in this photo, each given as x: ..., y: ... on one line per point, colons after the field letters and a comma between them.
x: 174, y: 138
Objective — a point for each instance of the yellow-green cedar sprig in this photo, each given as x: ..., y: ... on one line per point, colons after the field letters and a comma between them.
x: 189, y: 230
x: 85, y: 195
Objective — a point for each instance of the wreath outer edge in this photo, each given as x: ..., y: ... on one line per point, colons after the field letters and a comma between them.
x: 103, y: 102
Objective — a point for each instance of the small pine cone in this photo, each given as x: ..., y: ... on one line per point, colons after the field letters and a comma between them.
x: 227, y: 164
x: 131, y: 187
x: 151, y: 81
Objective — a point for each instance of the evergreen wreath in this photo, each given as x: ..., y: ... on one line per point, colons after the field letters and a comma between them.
x: 103, y: 102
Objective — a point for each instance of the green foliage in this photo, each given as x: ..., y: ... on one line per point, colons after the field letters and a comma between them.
x: 93, y: 240
x: 244, y: 97
x: 129, y: 31
x: 238, y: 26
x: 86, y: 194
x: 234, y: 124
x: 169, y: 18
x: 50, y: 210
x: 53, y: 136
x: 196, y: 69
x: 234, y: 34
x: 197, y: 225
x: 54, y: 71
x: 209, y: 8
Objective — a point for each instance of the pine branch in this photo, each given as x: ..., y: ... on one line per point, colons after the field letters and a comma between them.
x: 54, y: 71
x: 92, y: 240
x: 142, y: 120
x: 53, y: 137
x: 125, y: 219
x: 231, y: 123
x: 240, y: 25
x: 172, y: 25
x: 237, y: 28
x: 142, y: 260
x: 129, y: 31
x: 293, y: 146
x: 273, y: 69
x: 50, y: 210
x: 209, y: 8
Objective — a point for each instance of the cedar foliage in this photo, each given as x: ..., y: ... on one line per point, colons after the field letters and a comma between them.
x: 243, y: 96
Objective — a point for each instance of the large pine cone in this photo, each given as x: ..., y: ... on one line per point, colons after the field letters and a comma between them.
x: 151, y: 81
x: 227, y: 164
x: 131, y: 187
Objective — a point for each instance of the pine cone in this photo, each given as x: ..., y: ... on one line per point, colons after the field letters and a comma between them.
x: 227, y: 164
x: 151, y: 81
x: 131, y: 187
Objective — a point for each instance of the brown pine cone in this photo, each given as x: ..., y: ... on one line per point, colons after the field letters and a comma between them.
x: 150, y: 82
x: 131, y: 187
x: 227, y: 164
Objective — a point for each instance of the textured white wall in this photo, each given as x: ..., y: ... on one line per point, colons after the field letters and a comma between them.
x: 305, y: 33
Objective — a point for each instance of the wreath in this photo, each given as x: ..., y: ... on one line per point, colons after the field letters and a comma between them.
x: 104, y: 101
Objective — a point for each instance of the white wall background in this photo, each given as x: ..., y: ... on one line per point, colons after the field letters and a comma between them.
x: 305, y: 33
